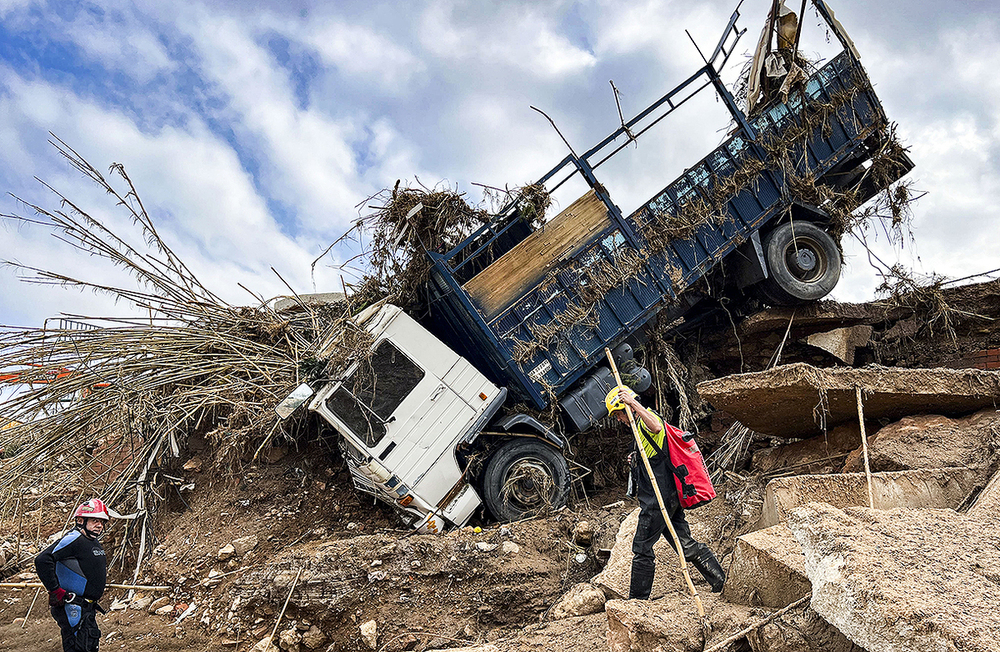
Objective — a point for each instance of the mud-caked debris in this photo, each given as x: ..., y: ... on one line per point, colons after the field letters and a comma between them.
x: 369, y: 633
x: 903, y: 579
x: 581, y: 600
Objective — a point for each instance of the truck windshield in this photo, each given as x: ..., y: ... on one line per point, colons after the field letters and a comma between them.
x: 373, y: 391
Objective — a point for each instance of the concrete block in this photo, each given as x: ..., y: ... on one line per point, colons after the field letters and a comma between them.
x: 987, y: 505
x: 813, y: 455
x: 767, y: 569
x: 923, y: 488
x: 799, y: 400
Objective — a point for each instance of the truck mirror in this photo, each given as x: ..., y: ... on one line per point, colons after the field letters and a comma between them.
x: 292, y: 402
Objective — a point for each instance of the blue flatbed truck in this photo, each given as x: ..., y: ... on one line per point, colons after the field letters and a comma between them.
x: 523, y: 314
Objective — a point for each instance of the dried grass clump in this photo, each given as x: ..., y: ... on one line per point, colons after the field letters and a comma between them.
x: 407, y: 222
x: 108, y: 406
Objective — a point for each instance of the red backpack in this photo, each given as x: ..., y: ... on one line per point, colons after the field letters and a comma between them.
x: 694, y: 486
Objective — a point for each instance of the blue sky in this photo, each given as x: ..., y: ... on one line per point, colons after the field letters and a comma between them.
x: 254, y: 130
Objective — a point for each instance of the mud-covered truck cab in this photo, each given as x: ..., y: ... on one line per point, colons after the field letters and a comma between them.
x: 412, y: 413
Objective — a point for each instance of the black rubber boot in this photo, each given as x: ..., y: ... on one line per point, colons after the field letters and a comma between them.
x: 711, y: 570
x: 641, y: 584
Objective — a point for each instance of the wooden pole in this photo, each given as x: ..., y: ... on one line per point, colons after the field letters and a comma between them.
x: 285, y: 606
x: 137, y: 587
x: 656, y: 490
x: 864, y: 448
x: 30, y: 607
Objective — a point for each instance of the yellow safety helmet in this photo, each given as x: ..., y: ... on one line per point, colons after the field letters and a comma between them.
x: 613, y: 402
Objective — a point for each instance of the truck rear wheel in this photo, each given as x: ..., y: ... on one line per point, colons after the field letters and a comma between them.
x: 803, y: 263
x: 524, y: 477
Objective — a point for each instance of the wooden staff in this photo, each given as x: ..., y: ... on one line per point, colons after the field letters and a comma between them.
x: 656, y: 490
x: 864, y: 448
x: 137, y: 587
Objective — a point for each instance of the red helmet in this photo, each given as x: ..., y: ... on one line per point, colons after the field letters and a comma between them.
x: 93, y: 508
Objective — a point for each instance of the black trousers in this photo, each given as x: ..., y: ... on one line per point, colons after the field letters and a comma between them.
x: 652, y: 526
x: 78, y: 626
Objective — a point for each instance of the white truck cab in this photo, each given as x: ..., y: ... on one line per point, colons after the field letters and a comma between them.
x: 406, y: 409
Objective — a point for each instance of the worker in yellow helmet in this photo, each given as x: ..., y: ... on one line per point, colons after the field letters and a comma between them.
x: 651, y: 525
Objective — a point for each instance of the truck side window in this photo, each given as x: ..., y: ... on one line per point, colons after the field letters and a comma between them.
x: 373, y: 391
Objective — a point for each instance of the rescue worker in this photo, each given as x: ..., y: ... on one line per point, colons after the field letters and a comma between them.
x: 74, y: 571
x: 651, y: 525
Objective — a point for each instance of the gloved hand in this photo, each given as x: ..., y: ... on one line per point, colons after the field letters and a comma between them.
x: 57, y: 598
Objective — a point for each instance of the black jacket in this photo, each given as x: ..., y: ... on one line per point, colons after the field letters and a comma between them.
x: 75, y: 563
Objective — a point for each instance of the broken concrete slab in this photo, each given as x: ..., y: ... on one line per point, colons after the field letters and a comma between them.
x: 841, y: 343
x: 903, y: 580
x: 931, y: 441
x: 614, y: 579
x: 799, y: 400
x: 987, y: 505
x: 817, y: 454
x: 767, y: 569
x: 923, y: 488
x: 800, y: 630
x: 811, y: 318
x: 672, y: 623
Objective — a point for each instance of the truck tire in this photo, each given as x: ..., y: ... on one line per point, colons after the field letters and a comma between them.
x: 524, y: 477
x: 803, y: 264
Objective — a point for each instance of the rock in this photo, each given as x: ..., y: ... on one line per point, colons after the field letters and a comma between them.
x: 581, y: 600
x: 159, y: 603
x: 289, y: 640
x: 841, y: 343
x: 265, y: 645
x: 118, y: 605
x: 779, y: 402
x: 141, y: 603
x: 18, y: 622
x: 510, y: 548
x: 243, y: 545
x: 227, y: 552
x: 800, y: 630
x: 913, y: 580
x: 194, y: 465
x: 671, y: 623
x: 369, y: 633
x: 930, y: 441
x: 475, y: 648
x: 314, y: 638
x: 483, y: 546
x: 811, y: 455
x: 165, y: 610
x: 583, y: 534
x: 987, y: 505
x: 614, y: 579
x: 933, y: 488
x: 767, y: 569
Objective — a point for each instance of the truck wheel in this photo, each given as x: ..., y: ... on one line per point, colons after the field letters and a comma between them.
x: 524, y: 477
x: 803, y: 264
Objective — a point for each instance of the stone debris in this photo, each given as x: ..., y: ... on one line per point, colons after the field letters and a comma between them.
x: 842, y: 343
x: 800, y: 631
x: 159, y: 603
x: 227, y: 551
x: 583, y: 534
x: 369, y: 633
x: 614, y: 579
x: 243, y: 545
x: 819, y: 454
x: 923, y: 488
x: 903, y: 580
x: 930, y: 441
x: 799, y: 400
x: 581, y: 600
x: 987, y: 505
x: 510, y: 548
x: 672, y: 623
x: 767, y: 569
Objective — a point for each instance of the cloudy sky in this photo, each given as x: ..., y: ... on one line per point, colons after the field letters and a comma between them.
x: 254, y: 129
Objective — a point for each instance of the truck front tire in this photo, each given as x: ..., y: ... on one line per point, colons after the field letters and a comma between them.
x: 803, y: 263
x: 524, y: 477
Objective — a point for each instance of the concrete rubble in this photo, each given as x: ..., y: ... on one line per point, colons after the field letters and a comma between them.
x: 903, y: 580
x: 923, y: 488
x: 799, y: 400
x: 767, y: 569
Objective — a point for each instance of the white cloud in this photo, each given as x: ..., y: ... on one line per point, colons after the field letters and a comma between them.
x: 360, y: 52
